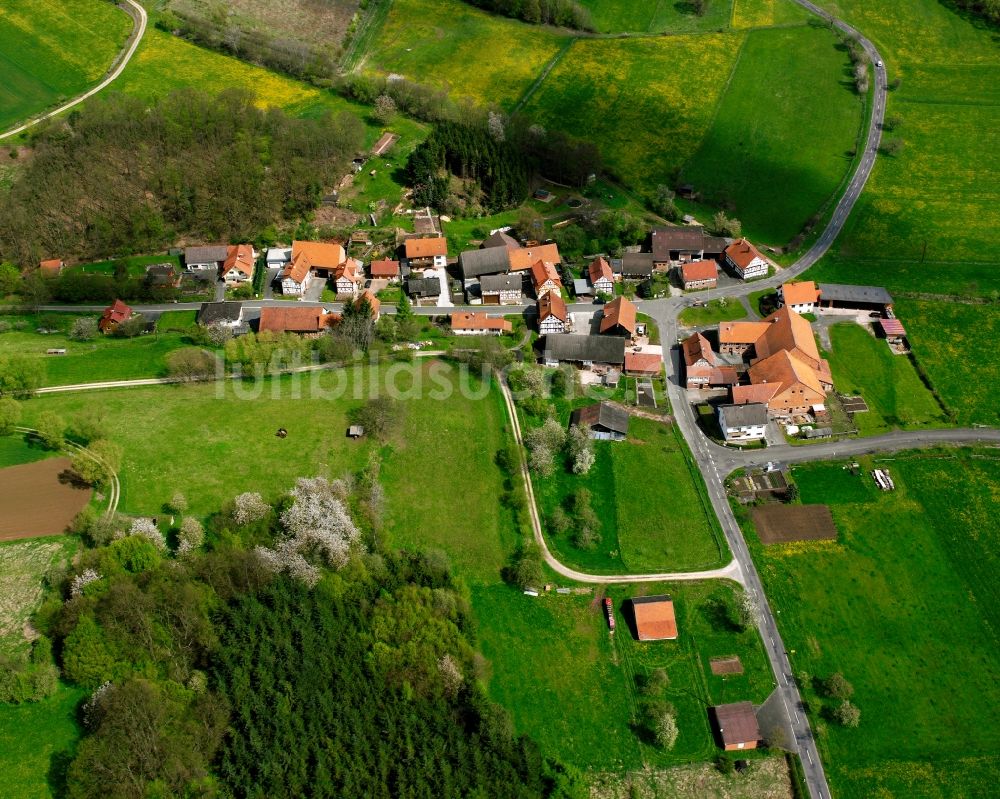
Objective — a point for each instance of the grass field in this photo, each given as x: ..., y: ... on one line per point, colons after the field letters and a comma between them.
x: 627, y: 16
x: 36, y: 744
x: 23, y: 565
x: 135, y: 264
x: 765, y: 13
x: 905, y: 605
x: 889, y: 383
x: 51, y: 51
x: 15, y: 450
x: 572, y: 687
x: 948, y: 341
x: 443, y: 43
x: 776, y: 157
x: 939, y: 191
x: 713, y: 312
x: 644, y: 526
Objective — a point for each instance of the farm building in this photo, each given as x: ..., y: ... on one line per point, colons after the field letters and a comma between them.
x: 618, y: 318
x: 704, y: 368
x: 746, y: 422
x: 585, y: 350
x: 478, y: 324
x: 745, y: 260
x: 857, y: 298
x: 552, y: 314
x: 654, y: 618
x: 699, y: 275
x: 893, y: 330
x: 294, y: 319
x: 489, y: 261
x: 735, y: 726
x: 606, y: 422
x: 500, y: 238
x: 384, y: 143
x: 643, y: 363
x: 637, y: 265
x: 677, y: 244
x: 114, y: 315
x: 384, y: 269
x: 800, y: 297
x: 501, y: 289
x: 423, y: 288
x: 525, y: 257
x: 426, y: 253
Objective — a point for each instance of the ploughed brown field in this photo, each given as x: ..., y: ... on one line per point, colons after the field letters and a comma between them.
x: 39, y: 498
x: 730, y: 665
x: 781, y: 524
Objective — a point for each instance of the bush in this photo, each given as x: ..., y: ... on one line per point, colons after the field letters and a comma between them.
x: 837, y: 687
x: 10, y: 415
x: 98, y: 462
x: 847, y: 714
x: 51, y: 429
x: 191, y: 363
x: 84, y: 329
x: 525, y: 568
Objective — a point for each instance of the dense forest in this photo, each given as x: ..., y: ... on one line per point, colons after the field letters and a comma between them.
x: 126, y: 175
x: 276, y: 652
x: 566, y: 13
x: 499, y: 157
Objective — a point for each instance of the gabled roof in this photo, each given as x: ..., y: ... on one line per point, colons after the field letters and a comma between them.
x: 497, y: 283
x: 426, y: 248
x: 211, y: 253
x: 239, y: 257
x: 117, y: 312
x: 620, y: 312
x: 799, y: 293
x: 742, y: 252
x: 293, y: 319
x: 602, y: 414
x: 654, y: 618
x: 646, y: 363
x: 349, y: 270
x: 297, y: 269
x: 665, y: 239
x: 213, y: 312
x: 491, y: 261
x: 744, y: 415
x: 500, y: 239
x: 525, y: 257
x: 384, y: 268
x: 785, y: 369
x: 892, y: 327
x: 423, y: 287
x: 551, y: 304
x: 373, y: 302
x: 637, y: 264
x: 696, y: 348
x: 741, y: 332
x: 840, y: 292
x: 699, y: 270
x: 736, y: 723
x: 599, y: 268
x: 542, y: 272
x: 321, y: 254
x: 762, y: 392
x: 598, y: 349
x: 479, y: 320
x: 787, y: 330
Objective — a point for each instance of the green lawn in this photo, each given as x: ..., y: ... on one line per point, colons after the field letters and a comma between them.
x: 765, y: 13
x: 905, y: 604
x: 651, y: 503
x: 136, y: 264
x: 765, y: 157
x: 896, y: 397
x: 572, y: 686
x: 950, y: 342
x: 713, y: 312
x: 23, y: 565
x: 51, y: 51
x: 628, y: 16
x: 36, y: 744
x: 15, y: 450
x: 928, y: 217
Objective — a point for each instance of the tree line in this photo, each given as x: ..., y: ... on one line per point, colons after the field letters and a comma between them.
x: 987, y: 9
x: 128, y: 175
x: 565, y: 13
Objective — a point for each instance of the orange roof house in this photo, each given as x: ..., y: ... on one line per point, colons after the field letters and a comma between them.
x: 298, y: 268
x: 422, y: 249
x: 699, y: 274
x: 114, y: 315
x: 545, y: 277
x: 642, y: 363
x: 238, y: 264
x: 527, y: 257
x: 324, y: 256
x: 385, y: 269
x: 293, y: 319
x: 600, y: 270
x: 52, y: 267
x: 373, y: 302
x: 469, y: 323
x: 552, y: 304
x: 654, y: 618
x: 619, y: 317
x: 803, y: 293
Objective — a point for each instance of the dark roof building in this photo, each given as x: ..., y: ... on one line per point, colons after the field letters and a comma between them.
x: 654, y: 618
x: 423, y: 287
x: 488, y: 261
x: 637, y: 265
x: 498, y: 283
x: 750, y: 414
x: 604, y: 420
x: 500, y: 239
x: 669, y: 242
x: 735, y: 725
x: 213, y: 253
x: 161, y: 275
x: 561, y: 347
x: 220, y: 313
x: 846, y: 296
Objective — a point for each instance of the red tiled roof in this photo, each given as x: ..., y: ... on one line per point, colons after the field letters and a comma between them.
x: 322, y: 254
x: 643, y: 363
x: 426, y: 248
x: 892, y: 327
x: 52, y: 266
x: 700, y: 270
x: 551, y: 304
x: 117, y: 312
x: 600, y: 268
x: 479, y: 321
x: 654, y: 618
x: 373, y: 302
x: 240, y: 257
x: 293, y: 320
x: 742, y: 252
x: 619, y: 312
x: 384, y: 268
x: 696, y: 348
x: 542, y: 272
x: 526, y: 257
x: 799, y: 293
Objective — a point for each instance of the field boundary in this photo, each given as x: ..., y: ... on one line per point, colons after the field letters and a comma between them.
x: 534, y: 87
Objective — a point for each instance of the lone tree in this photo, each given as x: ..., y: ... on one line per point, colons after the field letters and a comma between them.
x: 51, y: 429
x: 723, y: 225
x: 837, y: 687
x: 381, y: 417
x: 525, y: 569
x: 10, y: 415
x: 385, y: 108
x: 847, y: 714
x: 663, y: 724
x: 98, y: 462
x: 191, y: 363
x: 84, y: 329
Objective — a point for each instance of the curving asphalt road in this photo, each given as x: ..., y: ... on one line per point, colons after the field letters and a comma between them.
x: 138, y: 13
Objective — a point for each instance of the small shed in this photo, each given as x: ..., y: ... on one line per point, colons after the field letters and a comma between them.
x: 893, y: 330
x: 654, y: 618
x: 605, y: 421
x: 735, y: 726
x: 355, y: 431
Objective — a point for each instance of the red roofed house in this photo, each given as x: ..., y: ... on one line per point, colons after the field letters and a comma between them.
x: 654, y: 618
x: 238, y: 266
x: 702, y: 367
x: 619, y: 317
x: 526, y: 257
x: 52, y: 267
x: 643, y: 363
x: 601, y: 276
x: 552, y: 313
x: 425, y: 253
x: 294, y: 319
x: 478, y: 324
x: 699, y: 275
x: 373, y: 303
x: 746, y: 260
x: 310, y: 259
x: 801, y: 297
x: 384, y: 269
x: 545, y: 278
x: 735, y: 726
x: 348, y: 278
x: 114, y: 315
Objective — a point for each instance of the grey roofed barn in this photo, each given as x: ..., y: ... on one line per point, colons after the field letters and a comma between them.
x: 493, y: 283
x: 841, y: 292
x: 748, y: 415
x: 215, y: 312
x: 667, y: 239
x: 423, y: 287
x: 500, y: 239
x: 206, y: 255
x: 637, y: 264
x: 491, y: 261
x: 603, y: 415
x: 596, y: 349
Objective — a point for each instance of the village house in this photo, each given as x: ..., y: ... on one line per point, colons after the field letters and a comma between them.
x: 423, y: 290
x: 618, y: 318
x: 500, y: 238
x: 207, y: 258
x: 643, y: 364
x: 699, y: 275
x: 654, y: 618
x: 743, y: 422
x: 489, y: 261
x: 479, y: 324
x: 324, y: 256
x: 637, y: 266
x: 702, y: 367
x: 373, y: 303
x: 297, y: 275
x: 602, y: 420
x: 800, y: 297
x: 348, y: 278
x: 601, y: 277
x: 526, y: 257
x: 295, y: 319
x: 584, y: 350
x: 114, y: 315
x: 51, y: 267
x: 224, y: 314
x: 745, y: 260
x: 735, y: 726
x: 384, y: 269
x: 501, y: 289
x: 239, y: 263
x: 552, y: 314
x: 426, y: 253
x: 545, y: 278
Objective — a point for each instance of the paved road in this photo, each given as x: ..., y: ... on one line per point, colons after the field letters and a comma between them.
x: 138, y: 13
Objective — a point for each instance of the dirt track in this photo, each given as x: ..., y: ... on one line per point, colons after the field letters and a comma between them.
x: 35, y: 501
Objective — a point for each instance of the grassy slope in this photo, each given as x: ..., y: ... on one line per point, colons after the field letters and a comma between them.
x: 951, y: 342
x: 764, y: 13
x: 796, y: 134
x: 53, y: 50
x: 583, y: 691
x: 443, y: 42
x: 889, y: 383
x: 615, y: 16
x: 905, y: 606
x: 940, y: 189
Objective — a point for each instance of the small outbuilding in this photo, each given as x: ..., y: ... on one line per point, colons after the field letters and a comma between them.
x: 735, y: 726
x: 355, y: 431
x: 654, y: 618
x: 605, y: 421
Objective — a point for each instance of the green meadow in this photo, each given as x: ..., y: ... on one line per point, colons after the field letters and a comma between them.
x: 904, y: 604
x: 627, y: 16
